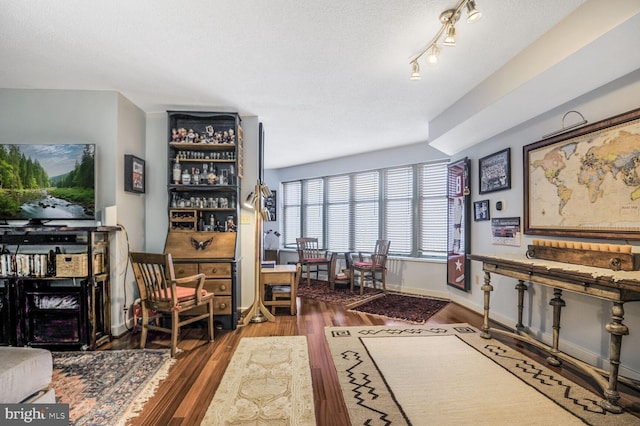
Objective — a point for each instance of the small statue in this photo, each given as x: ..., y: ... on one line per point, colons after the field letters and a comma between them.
x: 232, y: 136
x: 174, y: 135
x: 191, y: 136
x: 225, y: 137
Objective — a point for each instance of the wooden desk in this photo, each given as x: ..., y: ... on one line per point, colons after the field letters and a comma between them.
x: 281, y: 274
x: 616, y: 286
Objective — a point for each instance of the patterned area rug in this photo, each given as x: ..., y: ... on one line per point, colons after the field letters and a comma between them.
x: 267, y: 383
x: 449, y: 375
x: 410, y: 308
x: 107, y: 387
x: 320, y: 290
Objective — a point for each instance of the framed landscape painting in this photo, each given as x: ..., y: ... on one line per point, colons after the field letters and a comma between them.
x: 585, y: 183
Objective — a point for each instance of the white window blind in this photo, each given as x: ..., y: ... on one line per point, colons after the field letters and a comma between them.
x: 313, y: 209
x: 432, y: 193
x: 338, y: 218
x: 398, y: 209
x: 291, y: 212
x: 366, y: 206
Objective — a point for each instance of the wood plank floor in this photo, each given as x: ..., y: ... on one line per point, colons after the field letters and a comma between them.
x: 183, y: 398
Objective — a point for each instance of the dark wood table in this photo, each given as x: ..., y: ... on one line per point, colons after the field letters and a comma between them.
x: 615, y: 286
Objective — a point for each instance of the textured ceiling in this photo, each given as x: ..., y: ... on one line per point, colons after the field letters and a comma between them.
x: 327, y: 78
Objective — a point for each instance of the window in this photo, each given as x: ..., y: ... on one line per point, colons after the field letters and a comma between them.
x: 406, y: 205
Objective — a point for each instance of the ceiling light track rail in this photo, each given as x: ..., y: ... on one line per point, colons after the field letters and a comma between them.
x: 448, y: 18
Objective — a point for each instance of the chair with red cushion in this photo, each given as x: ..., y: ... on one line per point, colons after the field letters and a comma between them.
x: 163, y: 293
x: 372, y: 266
x: 310, y: 256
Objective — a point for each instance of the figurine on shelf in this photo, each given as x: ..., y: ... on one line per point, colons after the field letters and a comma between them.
x: 209, y: 134
x: 232, y: 136
x: 174, y: 135
x: 218, y: 137
x: 225, y: 137
x: 191, y: 136
x: 230, y: 226
x: 182, y: 134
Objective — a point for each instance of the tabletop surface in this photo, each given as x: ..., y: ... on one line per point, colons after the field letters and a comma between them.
x: 279, y: 268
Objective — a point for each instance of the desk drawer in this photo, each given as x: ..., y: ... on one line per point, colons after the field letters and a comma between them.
x: 218, y: 287
x: 221, y: 306
x: 216, y: 270
x: 185, y: 269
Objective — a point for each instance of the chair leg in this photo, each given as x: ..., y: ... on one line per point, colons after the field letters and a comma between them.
x: 175, y: 330
x: 361, y: 283
x: 353, y: 277
x: 384, y: 280
x: 308, y: 275
x: 210, y: 304
x: 143, y: 326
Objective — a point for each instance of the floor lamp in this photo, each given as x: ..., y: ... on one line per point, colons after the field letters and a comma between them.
x: 258, y: 313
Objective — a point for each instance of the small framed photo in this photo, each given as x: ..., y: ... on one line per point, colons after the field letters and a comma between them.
x: 495, y: 172
x: 134, y: 178
x: 481, y: 210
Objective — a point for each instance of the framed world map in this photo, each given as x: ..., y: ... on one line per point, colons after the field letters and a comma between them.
x: 585, y: 183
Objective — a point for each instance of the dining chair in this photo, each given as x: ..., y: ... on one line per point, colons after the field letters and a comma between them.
x: 163, y: 293
x: 311, y: 256
x: 372, y: 266
x: 284, y: 291
x: 342, y: 277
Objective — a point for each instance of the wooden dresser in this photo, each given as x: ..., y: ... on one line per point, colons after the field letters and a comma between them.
x: 213, y: 254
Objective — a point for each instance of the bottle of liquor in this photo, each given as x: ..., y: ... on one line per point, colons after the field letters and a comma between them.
x: 196, y: 177
x: 186, y: 177
x: 177, y: 171
x: 201, y: 223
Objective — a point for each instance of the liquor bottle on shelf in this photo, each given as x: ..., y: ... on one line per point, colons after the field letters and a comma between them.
x: 186, y: 177
x: 196, y: 176
x: 177, y: 171
x: 201, y: 222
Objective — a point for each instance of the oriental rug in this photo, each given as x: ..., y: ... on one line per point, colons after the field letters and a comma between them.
x: 267, y: 382
x: 404, y: 307
x: 449, y: 375
x: 320, y: 290
x: 107, y: 387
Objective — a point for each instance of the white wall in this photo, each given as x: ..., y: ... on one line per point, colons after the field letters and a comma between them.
x: 106, y: 119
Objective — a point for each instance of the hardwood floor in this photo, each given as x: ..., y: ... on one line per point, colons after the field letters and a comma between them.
x: 183, y: 398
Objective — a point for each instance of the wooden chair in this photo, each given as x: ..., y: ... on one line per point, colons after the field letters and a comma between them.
x: 342, y: 277
x: 371, y: 268
x: 284, y: 291
x: 310, y: 256
x: 162, y: 293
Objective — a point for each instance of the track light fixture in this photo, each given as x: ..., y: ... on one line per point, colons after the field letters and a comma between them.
x: 448, y: 18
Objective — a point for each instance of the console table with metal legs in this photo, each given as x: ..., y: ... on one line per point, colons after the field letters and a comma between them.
x: 615, y: 286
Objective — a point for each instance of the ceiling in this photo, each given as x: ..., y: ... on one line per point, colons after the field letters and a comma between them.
x: 327, y: 78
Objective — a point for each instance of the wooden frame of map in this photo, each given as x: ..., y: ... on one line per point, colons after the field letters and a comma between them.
x: 586, y: 182
x: 495, y: 172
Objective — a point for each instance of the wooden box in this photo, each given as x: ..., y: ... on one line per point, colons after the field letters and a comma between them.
x: 72, y: 265
x: 615, y: 261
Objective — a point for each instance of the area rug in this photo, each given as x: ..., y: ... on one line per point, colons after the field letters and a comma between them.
x: 267, y: 382
x: 107, y: 387
x: 410, y: 308
x: 449, y: 375
x: 320, y: 290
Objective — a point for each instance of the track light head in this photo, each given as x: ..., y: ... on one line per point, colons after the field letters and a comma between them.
x: 434, y: 55
x: 472, y: 13
x: 450, y: 39
x: 415, y: 71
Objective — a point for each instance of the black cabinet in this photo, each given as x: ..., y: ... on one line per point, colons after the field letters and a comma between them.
x: 54, y: 287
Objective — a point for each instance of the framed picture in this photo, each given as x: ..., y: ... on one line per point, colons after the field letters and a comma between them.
x: 458, y: 213
x: 481, y: 210
x: 495, y: 171
x: 270, y: 203
x: 586, y: 182
x: 134, y: 179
